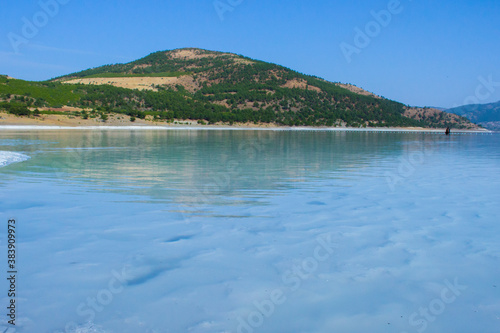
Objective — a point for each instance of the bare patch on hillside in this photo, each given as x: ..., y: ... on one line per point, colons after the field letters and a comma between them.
x: 141, y: 66
x: 141, y: 83
x: 421, y: 113
x: 357, y: 90
x: 243, y: 61
x: 300, y: 84
x: 188, y: 54
x: 192, y: 54
x: 65, y: 108
x: 222, y: 103
x: 426, y: 114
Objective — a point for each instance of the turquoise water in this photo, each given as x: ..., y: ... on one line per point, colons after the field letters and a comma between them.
x: 253, y: 231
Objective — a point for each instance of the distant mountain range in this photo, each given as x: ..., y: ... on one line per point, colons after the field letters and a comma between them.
x: 214, y: 87
x: 487, y: 115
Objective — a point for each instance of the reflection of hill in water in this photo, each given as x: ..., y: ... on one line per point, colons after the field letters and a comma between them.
x: 193, y: 167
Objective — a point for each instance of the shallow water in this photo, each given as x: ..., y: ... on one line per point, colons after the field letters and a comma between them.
x: 253, y: 231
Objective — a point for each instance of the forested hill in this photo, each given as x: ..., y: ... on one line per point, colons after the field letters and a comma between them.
x: 219, y: 88
x: 488, y: 115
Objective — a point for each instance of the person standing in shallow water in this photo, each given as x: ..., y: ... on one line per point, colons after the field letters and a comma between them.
x: 448, y: 131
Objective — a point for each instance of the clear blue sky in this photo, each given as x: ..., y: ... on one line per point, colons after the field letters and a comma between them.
x: 431, y: 53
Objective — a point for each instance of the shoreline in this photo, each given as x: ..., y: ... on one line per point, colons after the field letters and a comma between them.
x: 238, y: 128
x: 59, y: 122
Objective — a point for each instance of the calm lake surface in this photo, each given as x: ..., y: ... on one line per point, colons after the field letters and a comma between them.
x: 252, y: 231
